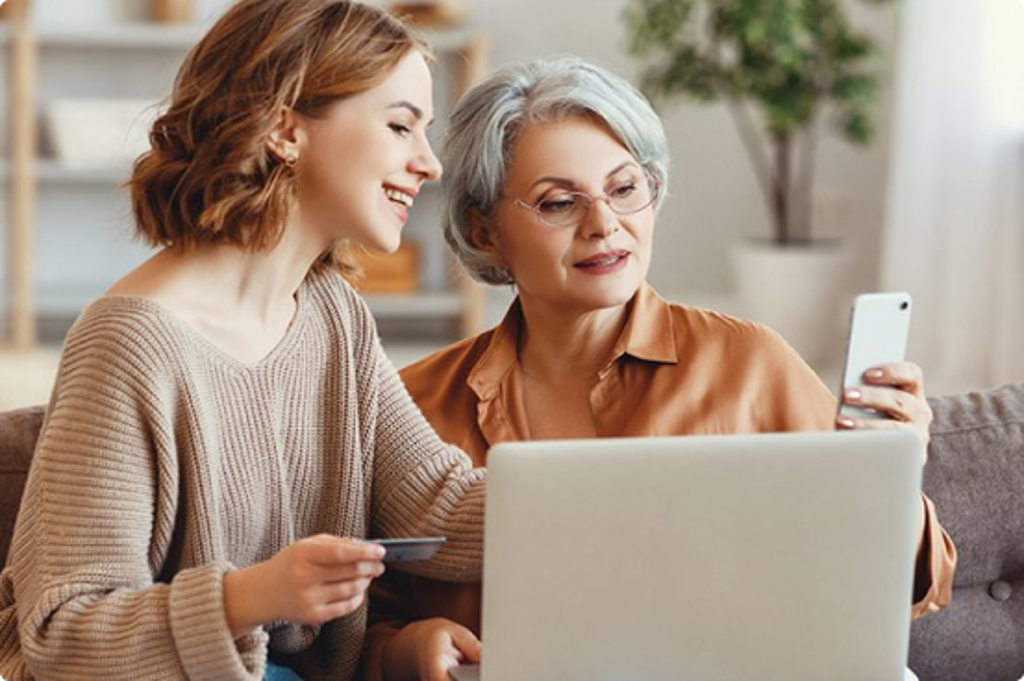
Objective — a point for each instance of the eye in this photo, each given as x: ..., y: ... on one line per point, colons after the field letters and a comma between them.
x: 399, y: 129
x: 623, y: 190
x: 557, y: 204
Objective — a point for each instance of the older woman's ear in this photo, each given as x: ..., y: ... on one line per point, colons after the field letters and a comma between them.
x: 482, y: 234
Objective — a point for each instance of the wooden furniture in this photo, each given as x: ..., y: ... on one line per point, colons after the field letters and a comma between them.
x: 449, y: 293
x: 22, y: 181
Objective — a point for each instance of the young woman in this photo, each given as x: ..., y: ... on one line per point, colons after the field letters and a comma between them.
x: 225, y: 428
x: 555, y: 171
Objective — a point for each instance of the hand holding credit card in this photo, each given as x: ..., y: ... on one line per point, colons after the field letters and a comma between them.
x: 409, y: 548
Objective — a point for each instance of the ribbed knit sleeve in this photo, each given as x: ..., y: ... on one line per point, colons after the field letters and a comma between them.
x: 424, y: 487
x: 421, y: 485
x: 98, y: 514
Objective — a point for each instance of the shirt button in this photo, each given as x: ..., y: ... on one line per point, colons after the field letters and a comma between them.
x: 1000, y: 590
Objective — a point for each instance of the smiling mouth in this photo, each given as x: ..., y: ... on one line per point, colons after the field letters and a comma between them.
x: 398, y: 196
x: 603, y: 259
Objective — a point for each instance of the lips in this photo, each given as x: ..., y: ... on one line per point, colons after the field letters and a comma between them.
x: 607, y: 259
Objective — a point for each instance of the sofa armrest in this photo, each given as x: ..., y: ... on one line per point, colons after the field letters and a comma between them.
x: 19, y: 431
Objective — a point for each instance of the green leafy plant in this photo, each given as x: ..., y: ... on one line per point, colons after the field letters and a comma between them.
x: 790, y: 59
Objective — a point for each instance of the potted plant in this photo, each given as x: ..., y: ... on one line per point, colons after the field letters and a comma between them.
x: 780, y: 67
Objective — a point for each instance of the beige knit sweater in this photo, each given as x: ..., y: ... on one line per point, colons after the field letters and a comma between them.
x: 164, y: 463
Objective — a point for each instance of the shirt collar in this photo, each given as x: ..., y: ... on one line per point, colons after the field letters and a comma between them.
x: 649, y: 335
x: 499, y: 357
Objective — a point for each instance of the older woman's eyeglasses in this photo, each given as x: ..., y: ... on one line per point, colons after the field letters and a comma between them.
x: 563, y: 208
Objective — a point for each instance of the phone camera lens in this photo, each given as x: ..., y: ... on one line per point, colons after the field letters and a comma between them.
x: 904, y: 305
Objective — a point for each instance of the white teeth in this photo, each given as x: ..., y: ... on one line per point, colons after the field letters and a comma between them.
x: 605, y: 261
x: 400, y: 197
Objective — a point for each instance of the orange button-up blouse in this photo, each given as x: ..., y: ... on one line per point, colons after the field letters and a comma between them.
x: 674, y: 370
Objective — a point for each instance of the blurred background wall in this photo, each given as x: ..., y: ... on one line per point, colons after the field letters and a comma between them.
x: 83, y: 241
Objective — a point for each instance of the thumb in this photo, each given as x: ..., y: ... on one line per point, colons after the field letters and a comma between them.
x: 467, y: 643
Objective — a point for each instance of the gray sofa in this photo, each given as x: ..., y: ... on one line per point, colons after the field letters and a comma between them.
x: 975, y: 476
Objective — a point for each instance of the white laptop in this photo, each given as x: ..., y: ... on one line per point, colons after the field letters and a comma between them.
x: 783, y: 557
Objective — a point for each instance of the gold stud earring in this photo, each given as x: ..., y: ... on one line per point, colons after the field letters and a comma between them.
x: 290, y: 160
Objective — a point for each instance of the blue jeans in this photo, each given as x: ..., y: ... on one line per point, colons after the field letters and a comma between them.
x: 276, y: 672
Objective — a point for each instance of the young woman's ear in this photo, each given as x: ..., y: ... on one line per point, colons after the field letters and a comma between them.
x: 285, y: 140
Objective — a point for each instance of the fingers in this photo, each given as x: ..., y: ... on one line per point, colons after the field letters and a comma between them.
x: 336, y: 592
x: 467, y: 644
x: 848, y: 423
x: 335, y: 599
x: 331, y: 611
x: 351, y: 571
x: 893, y: 401
x: 895, y: 390
x: 905, y: 376
x: 330, y: 551
x: 444, y: 645
x: 896, y: 404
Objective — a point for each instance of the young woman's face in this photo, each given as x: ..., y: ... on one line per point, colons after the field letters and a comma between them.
x: 602, y: 259
x: 362, y: 164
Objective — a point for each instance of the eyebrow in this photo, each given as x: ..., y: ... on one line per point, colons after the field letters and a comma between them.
x: 413, y: 109
x: 571, y: 183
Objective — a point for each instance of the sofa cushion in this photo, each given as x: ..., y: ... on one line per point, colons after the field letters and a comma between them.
x: 975, y: 476
x: 18, y: 433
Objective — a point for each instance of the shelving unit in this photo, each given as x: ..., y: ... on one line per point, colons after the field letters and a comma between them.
x: 26, y: 175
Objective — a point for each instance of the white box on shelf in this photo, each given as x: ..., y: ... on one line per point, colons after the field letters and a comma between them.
x: 99, y: 132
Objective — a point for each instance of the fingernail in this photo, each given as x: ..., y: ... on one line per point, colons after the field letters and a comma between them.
x: 874, y: 373
x: 845, y: 422
x: 852, y: 394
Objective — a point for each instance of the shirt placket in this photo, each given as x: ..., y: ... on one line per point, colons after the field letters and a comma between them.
x: 608, y: 401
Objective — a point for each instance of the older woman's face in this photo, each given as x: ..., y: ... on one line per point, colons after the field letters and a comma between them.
x: 597, y: 263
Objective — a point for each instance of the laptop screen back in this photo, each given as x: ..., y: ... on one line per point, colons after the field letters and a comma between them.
x: 784, y: 557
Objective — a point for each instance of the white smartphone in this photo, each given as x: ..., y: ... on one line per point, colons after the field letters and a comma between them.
x: 879, y: 326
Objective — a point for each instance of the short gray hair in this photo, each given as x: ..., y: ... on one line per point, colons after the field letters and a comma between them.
x: 487, y: 120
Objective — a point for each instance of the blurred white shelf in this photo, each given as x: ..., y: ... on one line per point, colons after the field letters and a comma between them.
x: 427, y: 305
x: 127, y: 35
x: 53, y: 172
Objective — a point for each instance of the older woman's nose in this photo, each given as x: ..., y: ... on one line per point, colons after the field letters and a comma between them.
x: 600, y: 221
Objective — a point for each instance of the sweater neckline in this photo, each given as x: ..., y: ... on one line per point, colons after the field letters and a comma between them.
x: 291, y: 335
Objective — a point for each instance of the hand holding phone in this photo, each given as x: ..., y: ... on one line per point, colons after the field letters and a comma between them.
x: 879, y: 326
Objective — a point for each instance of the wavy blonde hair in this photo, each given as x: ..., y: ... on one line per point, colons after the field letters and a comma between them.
x: 209, y: 176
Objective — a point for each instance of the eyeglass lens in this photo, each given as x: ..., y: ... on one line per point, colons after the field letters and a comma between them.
x: 628, y: 193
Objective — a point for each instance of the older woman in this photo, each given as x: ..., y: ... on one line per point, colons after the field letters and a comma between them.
x: 555, y: 170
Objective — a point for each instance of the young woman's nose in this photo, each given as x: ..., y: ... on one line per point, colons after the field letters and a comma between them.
x: 425, y: 162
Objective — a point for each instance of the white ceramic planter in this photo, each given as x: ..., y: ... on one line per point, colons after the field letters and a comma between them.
x: 800, y: 291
